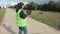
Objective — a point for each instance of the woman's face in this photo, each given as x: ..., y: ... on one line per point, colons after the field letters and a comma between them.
x: 22, y: 6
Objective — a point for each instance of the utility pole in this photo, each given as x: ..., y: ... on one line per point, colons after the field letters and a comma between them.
x: 1, y: 4
x: 4, y: 4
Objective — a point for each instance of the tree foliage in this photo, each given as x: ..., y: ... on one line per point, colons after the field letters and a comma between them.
x: 50, y: 6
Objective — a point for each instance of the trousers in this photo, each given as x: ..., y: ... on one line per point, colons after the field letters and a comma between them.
x: 22, y: 29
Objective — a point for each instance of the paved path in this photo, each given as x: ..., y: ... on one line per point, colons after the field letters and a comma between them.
x: 9, y: 26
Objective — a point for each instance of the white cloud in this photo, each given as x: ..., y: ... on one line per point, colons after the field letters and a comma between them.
x: 1, y: 3
x: 25, y: 3
x: 13, y: 3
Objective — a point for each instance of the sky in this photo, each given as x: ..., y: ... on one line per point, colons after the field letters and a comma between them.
x: 13, y: 2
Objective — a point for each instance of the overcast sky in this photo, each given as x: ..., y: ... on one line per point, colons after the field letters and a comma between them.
x: 13, y: 2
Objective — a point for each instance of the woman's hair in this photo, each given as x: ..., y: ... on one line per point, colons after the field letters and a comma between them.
x: 19, y: 6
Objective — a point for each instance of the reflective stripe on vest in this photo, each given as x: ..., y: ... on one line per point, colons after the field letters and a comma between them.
x: 20, y: 22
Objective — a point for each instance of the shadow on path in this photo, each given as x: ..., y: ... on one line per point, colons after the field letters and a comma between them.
x: 8, y: 28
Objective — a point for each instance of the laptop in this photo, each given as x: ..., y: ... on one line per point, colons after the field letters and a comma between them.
x: 29, y: 12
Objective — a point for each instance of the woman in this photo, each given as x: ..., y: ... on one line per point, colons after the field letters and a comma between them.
x: 21, y: 18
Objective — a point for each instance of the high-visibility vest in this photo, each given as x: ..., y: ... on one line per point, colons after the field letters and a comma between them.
x: 20, y: 22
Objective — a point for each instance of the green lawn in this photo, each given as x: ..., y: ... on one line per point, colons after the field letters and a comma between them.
x: 50, y: 18
x: 2, y: 13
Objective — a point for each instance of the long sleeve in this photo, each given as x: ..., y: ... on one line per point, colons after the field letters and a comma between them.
x: 22, y: 15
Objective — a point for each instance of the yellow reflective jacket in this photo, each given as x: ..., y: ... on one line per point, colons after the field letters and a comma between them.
x: 20, y: 22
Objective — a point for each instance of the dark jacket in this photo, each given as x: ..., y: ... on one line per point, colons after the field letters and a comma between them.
x: 22, y: 15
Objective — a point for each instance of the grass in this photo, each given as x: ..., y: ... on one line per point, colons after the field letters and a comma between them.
x: 2, y: 13
x: 50, y: 18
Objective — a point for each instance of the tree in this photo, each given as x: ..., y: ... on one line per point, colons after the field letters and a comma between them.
x: 39, y: 6
x: 51, y: 6
x: 32, y: 5
x: 58, y: 6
